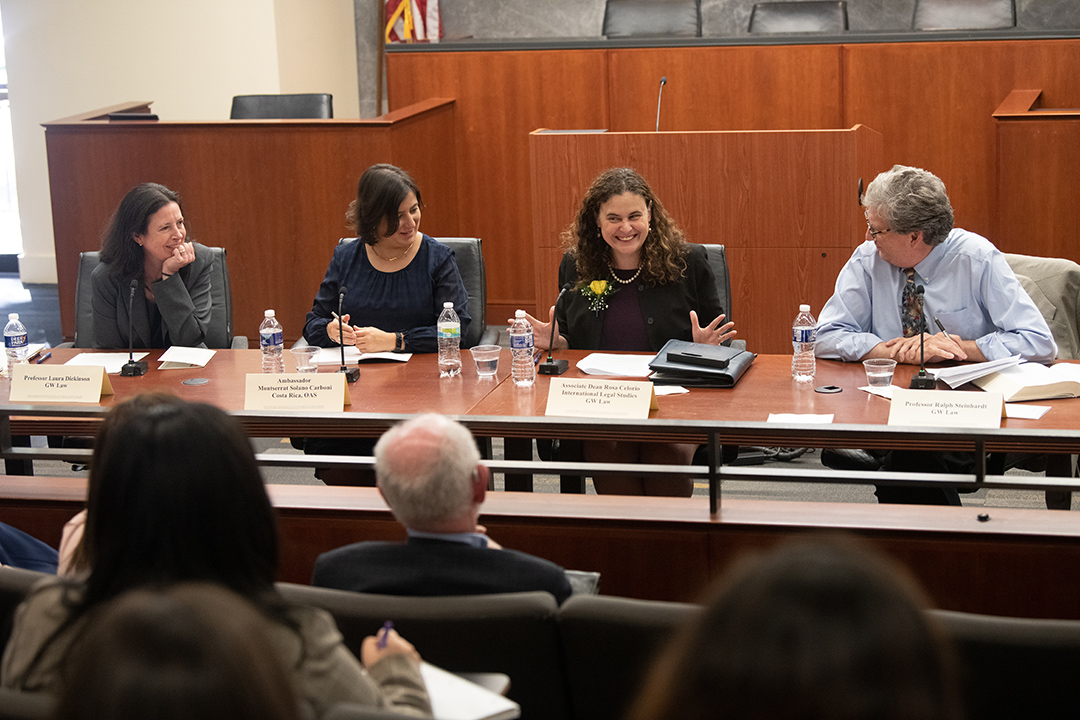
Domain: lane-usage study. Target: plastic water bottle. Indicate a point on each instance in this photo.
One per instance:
(449, 332)
(271, 342)
(803, 339)
(523, 370)
(15, 345)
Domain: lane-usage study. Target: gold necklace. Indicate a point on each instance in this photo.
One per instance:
(619, 279)
(398, 257)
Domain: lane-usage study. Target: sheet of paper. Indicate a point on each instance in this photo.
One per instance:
(453, 698)
(669, 389)
(1024, 411)
(610, 365)
(954, 377)
(332, 356)
(185, 358)
(112, 362)
(806, 418)
(882, 391)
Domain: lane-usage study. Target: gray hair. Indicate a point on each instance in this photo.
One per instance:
(426, 487)
(909, 200)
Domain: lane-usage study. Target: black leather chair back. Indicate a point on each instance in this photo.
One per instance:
(791, 17)
(652, 18)
(963, 14)
(718, 262)
(220, 333)
(282, 107)
(514, 633)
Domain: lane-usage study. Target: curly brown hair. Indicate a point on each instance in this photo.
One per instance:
(663, 256)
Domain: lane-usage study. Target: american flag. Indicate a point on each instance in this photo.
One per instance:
(408, 20)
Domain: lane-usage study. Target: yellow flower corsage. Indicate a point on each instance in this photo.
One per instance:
(597, 292)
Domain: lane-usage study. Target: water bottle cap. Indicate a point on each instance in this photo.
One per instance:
(268, 313)
(804, 308)
(448, 304)
(12, 317)
(519, 314)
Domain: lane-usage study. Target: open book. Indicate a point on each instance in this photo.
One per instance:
(1032, 381)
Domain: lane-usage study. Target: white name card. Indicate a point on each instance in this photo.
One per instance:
(585, 397)
(324, 392)
(946, 408)
(59, 383)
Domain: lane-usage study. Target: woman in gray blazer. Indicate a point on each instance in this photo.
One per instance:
(145, 251)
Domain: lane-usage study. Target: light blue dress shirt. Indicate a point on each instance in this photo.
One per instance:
(969, 288)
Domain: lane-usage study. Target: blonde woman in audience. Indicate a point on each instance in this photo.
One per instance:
(175, 496)
(811, 631)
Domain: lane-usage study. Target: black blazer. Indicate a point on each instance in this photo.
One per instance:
(424, 566)
(665, 309)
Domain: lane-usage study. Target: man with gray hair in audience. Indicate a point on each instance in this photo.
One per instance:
(429, 472)
(919, 280)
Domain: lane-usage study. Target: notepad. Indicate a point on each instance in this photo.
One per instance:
(454, 698)
(184, 358)
(332, 356)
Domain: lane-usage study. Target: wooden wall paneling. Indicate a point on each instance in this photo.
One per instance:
(500, 98)
(273, 193)
(933, 103)
(788, 87)
(767, 192)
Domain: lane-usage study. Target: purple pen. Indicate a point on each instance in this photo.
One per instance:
(386, 628)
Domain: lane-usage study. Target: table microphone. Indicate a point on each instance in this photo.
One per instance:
(351, 374)
(663, 82)
(922, 381)
(132, 368)
(552, 366)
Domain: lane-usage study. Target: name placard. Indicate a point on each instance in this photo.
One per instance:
(586, 397)
(325, 392)
(946, 408)
(59, 383)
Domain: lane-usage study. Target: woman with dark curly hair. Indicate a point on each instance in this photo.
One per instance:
(637, 283)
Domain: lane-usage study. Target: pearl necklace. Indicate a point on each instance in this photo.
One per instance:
(618, 279)
(397, 257)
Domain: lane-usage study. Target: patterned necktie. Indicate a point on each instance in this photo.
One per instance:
(911, 306)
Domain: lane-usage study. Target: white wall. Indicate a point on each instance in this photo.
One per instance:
(190, 57)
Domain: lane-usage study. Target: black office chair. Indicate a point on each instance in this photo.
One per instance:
(652, 18)
(311, 106)
(793, 17)
(963, 14)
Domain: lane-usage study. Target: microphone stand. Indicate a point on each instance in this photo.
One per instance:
(922, 381)
(552, 366)
(351, 374)
(132, 368)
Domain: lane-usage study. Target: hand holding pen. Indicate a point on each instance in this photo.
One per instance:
(386, 642)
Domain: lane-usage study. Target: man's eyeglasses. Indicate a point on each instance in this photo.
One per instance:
(874, 233)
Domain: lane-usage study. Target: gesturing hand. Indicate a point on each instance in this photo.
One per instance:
(714, 333)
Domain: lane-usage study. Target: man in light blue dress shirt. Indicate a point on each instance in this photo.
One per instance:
(971, 297)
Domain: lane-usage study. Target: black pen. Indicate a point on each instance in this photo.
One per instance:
(940, 326)
(44, 357)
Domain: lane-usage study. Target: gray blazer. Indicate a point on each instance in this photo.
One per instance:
(183, 300)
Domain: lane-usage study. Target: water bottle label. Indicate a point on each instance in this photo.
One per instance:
(269, 339)
(14, 342)
(521, 341)
(803, 335)
(449, 330)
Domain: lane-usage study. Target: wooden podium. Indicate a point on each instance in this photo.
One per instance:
(272, 192)
(1037, 176)
(784, 203)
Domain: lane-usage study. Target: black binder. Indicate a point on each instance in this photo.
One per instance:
(699, 365)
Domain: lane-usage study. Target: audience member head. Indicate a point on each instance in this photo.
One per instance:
(428, 470)
(119, 246)
(908, 200)
(194, 650)
(661, 255)
(812, 630)
(379, 195)
(175, 495)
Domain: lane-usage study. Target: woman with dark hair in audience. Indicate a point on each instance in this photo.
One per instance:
(175, 496)
(637, 283)
(194, 650)
(811, 631)
(146, 242)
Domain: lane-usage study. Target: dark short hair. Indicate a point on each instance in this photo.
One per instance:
(379, 194)
(194, 650)
(175, 495)
(812, 630)
(132, 217)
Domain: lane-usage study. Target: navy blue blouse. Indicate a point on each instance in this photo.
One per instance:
(407, 301)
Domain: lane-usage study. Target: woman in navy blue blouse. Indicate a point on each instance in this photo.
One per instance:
(397, 278)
